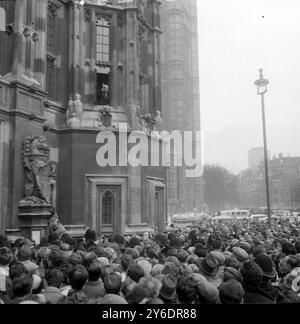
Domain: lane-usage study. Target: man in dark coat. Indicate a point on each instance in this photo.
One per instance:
(252, 279)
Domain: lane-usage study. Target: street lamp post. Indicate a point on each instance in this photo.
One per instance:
(261, 85)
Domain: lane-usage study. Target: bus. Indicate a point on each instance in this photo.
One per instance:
(236, 213)
(189, 219)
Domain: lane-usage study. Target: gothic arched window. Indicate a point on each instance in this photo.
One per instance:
(51, 52)
(102, 41)
(107, 208)
(103, 67)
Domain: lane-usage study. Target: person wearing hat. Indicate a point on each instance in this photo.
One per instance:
(208, 293)
(231, 292)
(252, 276)
(112, 299)
(167, 291)
(182, 255)
(171, 269)
(24, 256)
(161, 244)
(240, 254)
(246, 246)
(209, 265)
(157, 269)
(231, 273)
(266, 264)
(187, 290)
(90, 239)
(146, 265)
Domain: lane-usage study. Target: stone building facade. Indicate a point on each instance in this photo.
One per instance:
(181, 94)
(284, 174)
(70, 70)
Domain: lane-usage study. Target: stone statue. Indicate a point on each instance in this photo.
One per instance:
(37, 170)
(78, 106)
(147, 123)
(135, 113)
(99, 122)
(158, 117)
(53, 169)
(74, 107)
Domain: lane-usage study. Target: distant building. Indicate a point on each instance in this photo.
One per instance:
(181, 93)
(256, 157)
(284, 184)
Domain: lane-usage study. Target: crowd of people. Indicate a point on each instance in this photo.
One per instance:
(229, 262)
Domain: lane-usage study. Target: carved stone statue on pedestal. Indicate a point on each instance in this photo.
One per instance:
(78, 106)
(105, 117)
(148, 123)
(158, 121)
(74, 112)
(34, 209)
(37, 171)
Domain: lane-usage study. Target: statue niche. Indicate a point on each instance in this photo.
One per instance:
(38, 169)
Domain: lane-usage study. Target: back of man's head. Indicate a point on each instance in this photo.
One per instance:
(54, 278)
(24, 253)
(22, 285)
(252, 274)
(231, 292)
(78, 277)
(94, 270)
(113, 283)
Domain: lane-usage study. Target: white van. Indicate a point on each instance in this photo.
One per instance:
(259, 217)
(222, 218)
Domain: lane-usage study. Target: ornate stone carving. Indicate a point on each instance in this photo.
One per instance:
(37, 171)
(87, 15)
(52, 7)
(28, 31)
(78, 106)
(53, 170)
(121, 20)
(135, 114)
(158, 121)
(10, 28)
(35, 37)
(74, 112)
(104, 117)
(151, 122)
(107, 19)
(148, 123)
(142, 9)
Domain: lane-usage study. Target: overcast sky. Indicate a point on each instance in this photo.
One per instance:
(236, 38)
